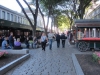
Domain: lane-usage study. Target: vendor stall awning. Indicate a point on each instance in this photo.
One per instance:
(87, 23)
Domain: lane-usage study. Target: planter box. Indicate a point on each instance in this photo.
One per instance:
(22, 51)
(77, 65)
(9, 66)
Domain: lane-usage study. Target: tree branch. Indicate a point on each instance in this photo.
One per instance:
(25, 13)
(29, 8)
(87, 4)
(42, 17)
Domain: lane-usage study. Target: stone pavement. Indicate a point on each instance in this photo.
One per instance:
(57, 61)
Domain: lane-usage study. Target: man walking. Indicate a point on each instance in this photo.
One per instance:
(63, 38)
(50, 37)
(58, 40)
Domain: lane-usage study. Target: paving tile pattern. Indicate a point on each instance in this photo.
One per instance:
(57, 61)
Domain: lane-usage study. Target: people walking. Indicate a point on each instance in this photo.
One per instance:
(43, 41)
(58, 40)
(50, 38)
(63, 38)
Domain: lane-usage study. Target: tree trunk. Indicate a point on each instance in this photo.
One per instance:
(46, 29)
(55, 23)
(25, 14)
(35, 24)
(52, 23)
(43, 22)
(35, 17)
(42, 18)
(33, 27)
(48, 21)
(81, 7)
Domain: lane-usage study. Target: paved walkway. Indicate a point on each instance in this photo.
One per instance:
(57, 61)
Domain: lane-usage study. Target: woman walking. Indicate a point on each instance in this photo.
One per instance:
(43, 41)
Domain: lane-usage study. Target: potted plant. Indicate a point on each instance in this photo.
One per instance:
(96, 57)
(3, 53)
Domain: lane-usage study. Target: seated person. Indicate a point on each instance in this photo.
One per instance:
(17, 44)
(5, 44)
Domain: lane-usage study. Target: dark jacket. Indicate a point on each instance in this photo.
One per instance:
(26, 41)
(63, 37)
(58, 37)
(11, 40)
(71, 36)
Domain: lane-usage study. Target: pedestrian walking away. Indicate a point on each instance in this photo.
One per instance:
(50, 38)
(63, 38)
(58, 40)
(43, 41)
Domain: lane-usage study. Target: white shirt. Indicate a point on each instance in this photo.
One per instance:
(50, 36)
(43, 38)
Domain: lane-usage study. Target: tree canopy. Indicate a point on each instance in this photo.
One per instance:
(66, 9)
(83, 4)
(63, 22)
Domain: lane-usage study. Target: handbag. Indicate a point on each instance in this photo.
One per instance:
(45, 41)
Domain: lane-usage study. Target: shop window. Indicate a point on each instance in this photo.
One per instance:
(3, 14)
(0, 13)
(18, 19)
(15, 18)
(11, 17)
(8, 16)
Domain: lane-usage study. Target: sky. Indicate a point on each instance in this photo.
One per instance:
(12, 4)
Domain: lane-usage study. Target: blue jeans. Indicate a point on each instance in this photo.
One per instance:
(6, 47)
(50, 43)
(11, 44)
(63, 43)
(34, 45)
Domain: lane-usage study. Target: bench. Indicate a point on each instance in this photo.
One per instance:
(15, 51)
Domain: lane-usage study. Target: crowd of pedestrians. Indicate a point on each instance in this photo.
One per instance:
(11, 42)
(50, 37)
